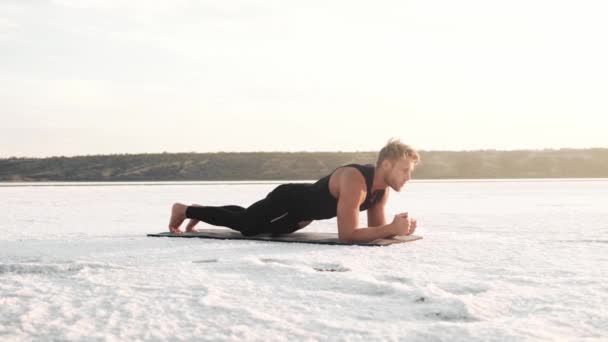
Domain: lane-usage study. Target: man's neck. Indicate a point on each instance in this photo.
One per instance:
(379, 183)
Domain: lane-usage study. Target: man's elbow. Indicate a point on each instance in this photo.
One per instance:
(346, 236)
(345, 239)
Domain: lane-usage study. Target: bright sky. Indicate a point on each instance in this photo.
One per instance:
(112, 76)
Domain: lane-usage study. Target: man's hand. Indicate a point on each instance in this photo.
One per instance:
(403, 224)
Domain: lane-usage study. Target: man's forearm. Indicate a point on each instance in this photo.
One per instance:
(369, 234)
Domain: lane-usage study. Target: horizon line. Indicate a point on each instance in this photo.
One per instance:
(293, 152)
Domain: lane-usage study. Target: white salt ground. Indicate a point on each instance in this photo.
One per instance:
(500, 261)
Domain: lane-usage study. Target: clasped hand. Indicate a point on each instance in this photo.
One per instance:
(404, 225)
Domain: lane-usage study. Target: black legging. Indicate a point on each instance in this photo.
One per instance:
(269, 215)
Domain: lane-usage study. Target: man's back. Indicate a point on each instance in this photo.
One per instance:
(319, 200)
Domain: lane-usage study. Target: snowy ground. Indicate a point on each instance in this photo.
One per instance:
(500, 260)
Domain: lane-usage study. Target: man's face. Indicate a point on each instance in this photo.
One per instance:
(400, 173)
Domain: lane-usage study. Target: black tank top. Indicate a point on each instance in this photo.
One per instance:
(315, 201)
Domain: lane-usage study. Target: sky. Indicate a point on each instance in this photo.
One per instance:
(82, 77)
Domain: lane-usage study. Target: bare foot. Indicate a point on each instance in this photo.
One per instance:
(192, 222)
(178, 215)
(190, 226)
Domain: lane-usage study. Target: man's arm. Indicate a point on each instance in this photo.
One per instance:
(375, 214)
(352, 193)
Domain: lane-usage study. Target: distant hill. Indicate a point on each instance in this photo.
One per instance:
(563, 163)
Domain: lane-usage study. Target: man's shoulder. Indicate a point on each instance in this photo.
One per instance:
(352, 178)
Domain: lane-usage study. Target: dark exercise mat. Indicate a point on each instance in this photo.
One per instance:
(301, 237)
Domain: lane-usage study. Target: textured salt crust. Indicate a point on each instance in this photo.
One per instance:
(499, 261)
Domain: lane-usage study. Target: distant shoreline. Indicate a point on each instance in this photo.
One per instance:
(296, 166)
(205, 183)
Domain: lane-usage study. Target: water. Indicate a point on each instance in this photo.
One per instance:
(500, 260)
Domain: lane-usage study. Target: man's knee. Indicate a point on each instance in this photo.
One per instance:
(249, 233)
(303, 224)
(251, 226)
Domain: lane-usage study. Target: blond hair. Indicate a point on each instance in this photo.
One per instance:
(395, 149)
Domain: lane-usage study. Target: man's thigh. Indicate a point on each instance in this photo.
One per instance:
(264, 215)
(278, 212)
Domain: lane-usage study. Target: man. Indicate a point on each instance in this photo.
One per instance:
(343, 193)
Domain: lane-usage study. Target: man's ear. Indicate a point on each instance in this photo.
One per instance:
(386, 165)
